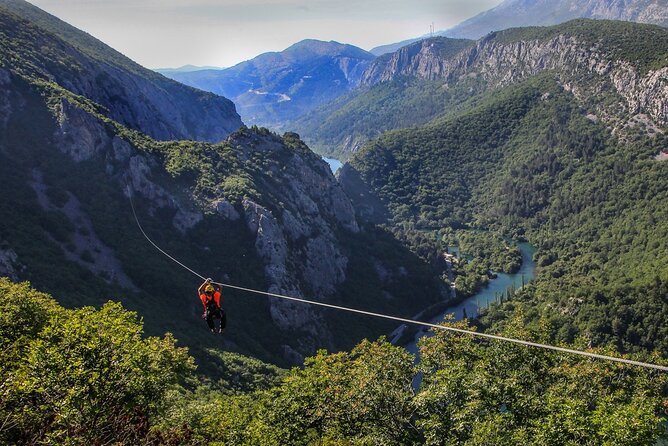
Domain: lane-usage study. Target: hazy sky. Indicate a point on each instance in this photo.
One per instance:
(171, 33)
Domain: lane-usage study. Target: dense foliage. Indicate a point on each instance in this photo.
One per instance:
(468, 393)
(88, 376)
(79, 376)
(526, 162)
(497, 253)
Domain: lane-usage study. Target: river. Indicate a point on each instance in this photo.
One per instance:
(488, 294)
(334, 164)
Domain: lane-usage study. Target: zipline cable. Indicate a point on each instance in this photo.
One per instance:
(403, 320)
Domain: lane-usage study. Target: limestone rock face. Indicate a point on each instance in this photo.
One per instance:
(584, 67)
(272, 247)
(226, 210)
(8, 264)
(421, 59)
(80, 135)
(297, 240)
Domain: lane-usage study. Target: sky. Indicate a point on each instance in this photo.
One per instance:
(172, 33)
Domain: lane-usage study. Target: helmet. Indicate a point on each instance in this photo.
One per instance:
(208, 288)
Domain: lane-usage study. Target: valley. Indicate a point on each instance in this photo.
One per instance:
(510, 182)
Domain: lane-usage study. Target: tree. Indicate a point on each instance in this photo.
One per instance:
(84, 376)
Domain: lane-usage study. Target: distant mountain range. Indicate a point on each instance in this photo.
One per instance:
(186, 69)
(434, 77)
(517, 13)
(274, 88)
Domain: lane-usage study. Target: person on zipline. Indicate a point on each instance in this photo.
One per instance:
(209, 293)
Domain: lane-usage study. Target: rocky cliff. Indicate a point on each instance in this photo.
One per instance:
(427, 59)
(590, 58)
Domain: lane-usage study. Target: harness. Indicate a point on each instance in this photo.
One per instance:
(212, 308)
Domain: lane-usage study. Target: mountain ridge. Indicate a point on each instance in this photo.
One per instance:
(275, 87)
(96, 71)
(585, 53)
(522, 13)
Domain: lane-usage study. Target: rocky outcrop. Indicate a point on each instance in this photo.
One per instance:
(499, 61)
(424, 59)
(8, 264)
(297, 241)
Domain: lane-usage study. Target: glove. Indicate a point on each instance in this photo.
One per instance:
(209, 280)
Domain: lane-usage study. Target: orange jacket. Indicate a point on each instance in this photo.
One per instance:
(216, 297)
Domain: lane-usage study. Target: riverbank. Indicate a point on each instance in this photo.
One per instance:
(470, 306)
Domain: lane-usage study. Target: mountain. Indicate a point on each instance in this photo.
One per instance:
(430, 81)
(276, 87)
(132, 95)
(517, 13)
(392, 47)
(520, 13)
(562, 145)
(256, 209)
(186, 69)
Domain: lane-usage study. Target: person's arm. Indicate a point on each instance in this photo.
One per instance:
(200, 290)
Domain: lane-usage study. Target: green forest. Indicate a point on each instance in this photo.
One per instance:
(89, 376)
(527, 163)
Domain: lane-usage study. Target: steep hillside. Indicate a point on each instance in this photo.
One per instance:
(130, 94)
(534, 160)
(274, 88)
(618, 68)
(258, 209)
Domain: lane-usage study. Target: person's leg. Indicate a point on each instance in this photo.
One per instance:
(223, 320)
(209, 320)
